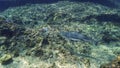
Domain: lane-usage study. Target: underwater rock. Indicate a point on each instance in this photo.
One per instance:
(110, 37)
(113, 18)
(113, 64)
(39, 52)
(2, 18)
(2, 40)
(108, 3)
(9, 30)
(44, 42)
(6, 59)
(108, 17)
(57, 18)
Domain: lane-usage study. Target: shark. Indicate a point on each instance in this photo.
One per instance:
(76, 36)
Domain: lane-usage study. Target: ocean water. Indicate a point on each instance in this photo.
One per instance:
(12, 3)
(59, 34)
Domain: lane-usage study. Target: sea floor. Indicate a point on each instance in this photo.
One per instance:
(60, 35)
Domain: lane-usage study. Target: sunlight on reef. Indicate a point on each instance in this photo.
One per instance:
(59, 35)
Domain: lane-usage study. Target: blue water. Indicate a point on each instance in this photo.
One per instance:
(4, 4)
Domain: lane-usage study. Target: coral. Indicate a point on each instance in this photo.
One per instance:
(10, 29)
(2, 40)
(2, 19)
(6, 59)
(113, 64)
(53, 32)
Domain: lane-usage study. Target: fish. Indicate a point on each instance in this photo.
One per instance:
(76, 36)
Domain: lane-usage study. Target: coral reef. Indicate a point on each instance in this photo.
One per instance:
(51, 34)
(5, 59)
(113, 64)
